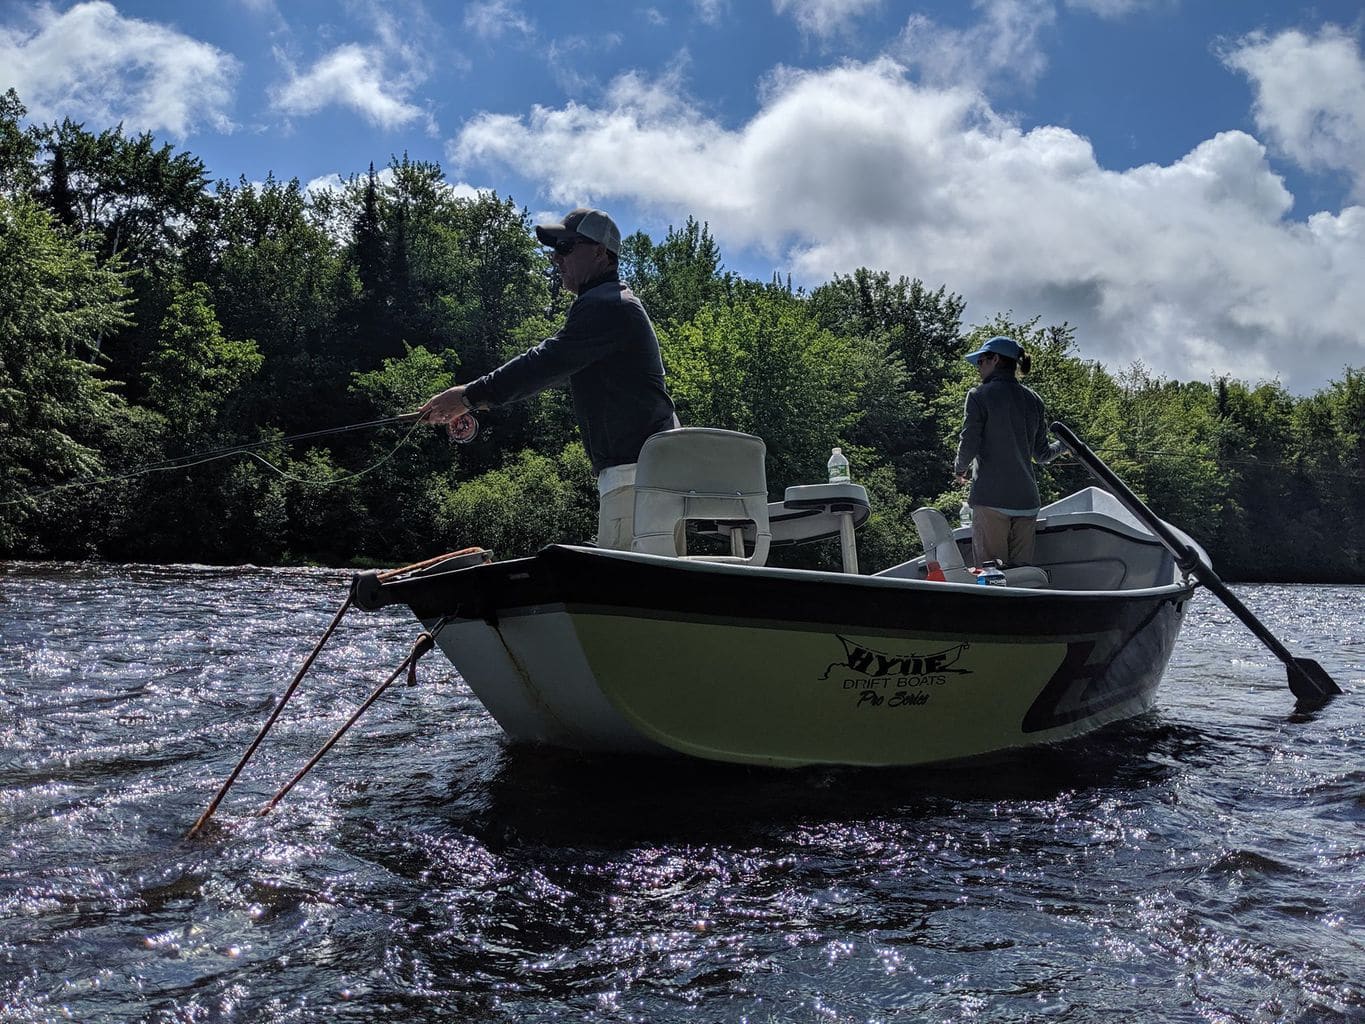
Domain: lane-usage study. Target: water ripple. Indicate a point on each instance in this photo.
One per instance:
(1202, 863)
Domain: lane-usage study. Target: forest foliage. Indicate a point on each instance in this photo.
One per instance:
(152, 320)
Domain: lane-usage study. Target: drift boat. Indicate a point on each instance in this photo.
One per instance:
(717, 655)
(723, 657)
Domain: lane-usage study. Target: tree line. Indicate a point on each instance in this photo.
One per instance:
(151, 320)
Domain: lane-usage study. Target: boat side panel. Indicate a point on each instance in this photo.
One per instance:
(744, 665)
(669, 588)
(774, 696)
(1099, 682)
(530, 674)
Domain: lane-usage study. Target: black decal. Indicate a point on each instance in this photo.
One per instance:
(878, 664)
(1097, 675)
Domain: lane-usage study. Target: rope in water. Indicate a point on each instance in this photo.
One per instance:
(424, 643)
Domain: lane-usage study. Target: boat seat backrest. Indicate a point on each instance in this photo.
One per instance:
(939, 543)
(700, 473)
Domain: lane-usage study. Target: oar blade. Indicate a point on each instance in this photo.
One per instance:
(1311, 684)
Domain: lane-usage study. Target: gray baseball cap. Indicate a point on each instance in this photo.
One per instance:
(583, 221)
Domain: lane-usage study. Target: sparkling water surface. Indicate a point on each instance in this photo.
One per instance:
(1205, 862)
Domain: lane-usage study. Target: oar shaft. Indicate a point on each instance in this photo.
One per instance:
(1310, 684)
(1185, 556)
(1252, 623)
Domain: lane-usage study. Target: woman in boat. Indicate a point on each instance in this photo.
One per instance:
(608, 353)
(1004, 432)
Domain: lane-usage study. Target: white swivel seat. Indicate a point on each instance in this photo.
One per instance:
(702, 474)
(940, 544)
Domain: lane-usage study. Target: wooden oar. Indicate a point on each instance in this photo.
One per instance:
(1307, 679)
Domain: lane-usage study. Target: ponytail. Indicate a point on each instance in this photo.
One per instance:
(1010, 366)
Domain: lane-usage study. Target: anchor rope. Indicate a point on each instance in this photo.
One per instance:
(425, 642)
(274, 714)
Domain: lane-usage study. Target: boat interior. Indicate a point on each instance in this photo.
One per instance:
(1085, 541)
(699, 483)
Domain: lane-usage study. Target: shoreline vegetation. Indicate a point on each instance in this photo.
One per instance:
(148, 316)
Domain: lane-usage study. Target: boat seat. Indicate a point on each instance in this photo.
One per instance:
(940, 543)
(702, 474)
(814, 512)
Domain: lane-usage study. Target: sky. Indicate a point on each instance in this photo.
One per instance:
(1182, 181)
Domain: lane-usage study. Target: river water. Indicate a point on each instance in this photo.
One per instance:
(1205, 862)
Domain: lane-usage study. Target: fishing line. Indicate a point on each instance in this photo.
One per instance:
(213, 454)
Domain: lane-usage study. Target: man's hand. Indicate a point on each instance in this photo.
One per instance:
(447, 407)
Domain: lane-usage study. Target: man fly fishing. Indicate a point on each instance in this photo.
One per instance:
(607, 352)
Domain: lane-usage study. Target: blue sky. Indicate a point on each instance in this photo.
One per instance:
(1181, 180)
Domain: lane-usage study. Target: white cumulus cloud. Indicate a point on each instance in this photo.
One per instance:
(1190, 267)
(1118, 8)
(91, 63)
(493, 19)
(1310, 97)
(375, 79)
(1005, 44)
(710, 12)
(825, 17)
(352, 76)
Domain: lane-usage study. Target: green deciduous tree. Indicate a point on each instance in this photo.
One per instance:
(516, 510)
(275, 274)
(761, 365)
(17, 148)
(55, 407)
(129, 197)
(918, 329)
(677, 277)
(195, 375)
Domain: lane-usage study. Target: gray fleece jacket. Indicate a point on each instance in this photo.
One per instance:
(1004, 429)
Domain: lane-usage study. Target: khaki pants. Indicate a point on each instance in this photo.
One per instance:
(616, 518)
(1008, 539)
(616, 510)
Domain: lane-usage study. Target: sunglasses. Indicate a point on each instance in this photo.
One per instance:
(567, 245)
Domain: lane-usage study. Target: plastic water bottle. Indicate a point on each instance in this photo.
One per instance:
(838, 467)
(964, 514)
(991, 576)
